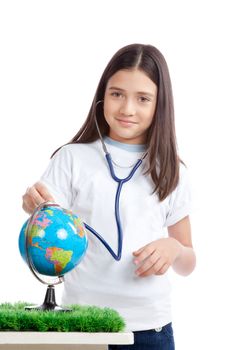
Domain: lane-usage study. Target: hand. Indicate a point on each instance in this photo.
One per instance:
(34, 196)
(156, 257)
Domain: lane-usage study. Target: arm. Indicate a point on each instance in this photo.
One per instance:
(176, 251)
(54, 184)
(185, 262)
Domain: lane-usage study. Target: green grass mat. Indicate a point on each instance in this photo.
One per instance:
(13, 317)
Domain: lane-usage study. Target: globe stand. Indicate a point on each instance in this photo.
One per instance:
(49, 303)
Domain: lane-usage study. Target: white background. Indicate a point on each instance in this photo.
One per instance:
(52, 56)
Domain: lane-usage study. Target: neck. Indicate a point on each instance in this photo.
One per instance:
(140, 140)
(130, 147)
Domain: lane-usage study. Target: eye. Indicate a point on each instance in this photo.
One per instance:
(116, 94)
(144, 99)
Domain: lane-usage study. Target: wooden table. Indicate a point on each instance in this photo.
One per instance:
(61, 340)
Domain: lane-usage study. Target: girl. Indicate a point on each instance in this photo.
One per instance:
(132, 116)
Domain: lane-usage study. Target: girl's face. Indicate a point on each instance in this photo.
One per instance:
(129, 105)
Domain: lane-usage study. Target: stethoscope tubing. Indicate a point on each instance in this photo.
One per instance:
(117, 208)
(117, 198)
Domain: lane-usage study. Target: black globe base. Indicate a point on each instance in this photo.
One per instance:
(49, 303)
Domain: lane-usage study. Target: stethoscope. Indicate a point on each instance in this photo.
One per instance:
(120, 182)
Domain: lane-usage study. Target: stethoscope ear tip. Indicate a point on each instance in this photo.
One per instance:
(99, 102)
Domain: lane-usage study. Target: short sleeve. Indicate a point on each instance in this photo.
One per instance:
(57, 177)
(180, 199)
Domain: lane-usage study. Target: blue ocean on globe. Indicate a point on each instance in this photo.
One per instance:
(57, 241)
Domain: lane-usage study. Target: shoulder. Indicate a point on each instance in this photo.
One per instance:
(78, 155)
(179, 201)
(183, 184)
(183, 187)
(74, 149)
(183, 174)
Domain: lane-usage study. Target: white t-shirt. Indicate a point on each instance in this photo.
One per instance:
(78, 177)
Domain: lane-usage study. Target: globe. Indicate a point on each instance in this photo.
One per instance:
(56, 240)
(52, 242)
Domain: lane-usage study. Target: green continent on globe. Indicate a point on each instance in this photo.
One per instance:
(40, 223)
(59, 257)
(35, 232)
(77, 222)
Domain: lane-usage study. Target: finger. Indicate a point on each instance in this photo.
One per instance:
(137, 252)
(145, 252)
(163, 270)
(28, 204)
(158, 269)
(26, 208)
(149, 272)
(159, 266)
(35, 196)
(43, 191)
(149, 263)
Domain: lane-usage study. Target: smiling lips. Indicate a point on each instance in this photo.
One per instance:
(126, 122)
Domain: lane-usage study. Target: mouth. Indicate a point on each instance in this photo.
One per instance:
(126, 122)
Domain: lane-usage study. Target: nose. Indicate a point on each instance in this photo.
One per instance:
(128, 108)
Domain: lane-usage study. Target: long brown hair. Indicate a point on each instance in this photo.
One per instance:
(161, 140)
